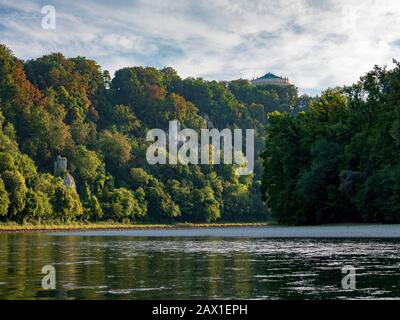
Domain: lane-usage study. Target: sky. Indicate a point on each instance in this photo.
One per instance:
(315, 43)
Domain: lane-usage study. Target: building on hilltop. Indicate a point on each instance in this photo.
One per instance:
(270, 78)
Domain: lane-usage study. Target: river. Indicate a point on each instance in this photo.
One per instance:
(211, 263)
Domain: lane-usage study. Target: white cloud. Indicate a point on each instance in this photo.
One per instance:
(316, 43)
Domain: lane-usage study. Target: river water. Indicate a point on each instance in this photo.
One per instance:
(226, 263)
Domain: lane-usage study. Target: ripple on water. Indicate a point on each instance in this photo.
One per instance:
(131, 290)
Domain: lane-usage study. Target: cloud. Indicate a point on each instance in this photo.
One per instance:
(316, 43)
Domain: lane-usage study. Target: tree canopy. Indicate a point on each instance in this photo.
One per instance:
(339, 160)
(54, 105)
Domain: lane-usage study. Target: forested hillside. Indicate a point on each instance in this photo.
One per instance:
(55, 105)
(340, 160)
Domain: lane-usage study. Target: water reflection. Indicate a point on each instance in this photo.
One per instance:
(120, 267)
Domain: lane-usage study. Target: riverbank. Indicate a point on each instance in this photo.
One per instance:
(79, 226)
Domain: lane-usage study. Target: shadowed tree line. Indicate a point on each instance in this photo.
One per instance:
(339, 160)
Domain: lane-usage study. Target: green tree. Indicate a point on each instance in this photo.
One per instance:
(66, 203)
(207, 208)
(15, 185)
(4, 199)
(96, 211)
(124, 206)
(87, 163)
(116, 148)
(37, 206)
(160, 202)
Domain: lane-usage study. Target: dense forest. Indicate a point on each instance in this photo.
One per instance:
(332, 158)
(57, 106)
(339, 160)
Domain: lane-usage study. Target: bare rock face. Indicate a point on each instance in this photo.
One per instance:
(69, 181)
(60, 170)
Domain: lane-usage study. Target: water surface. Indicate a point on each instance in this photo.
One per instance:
(240, 263)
